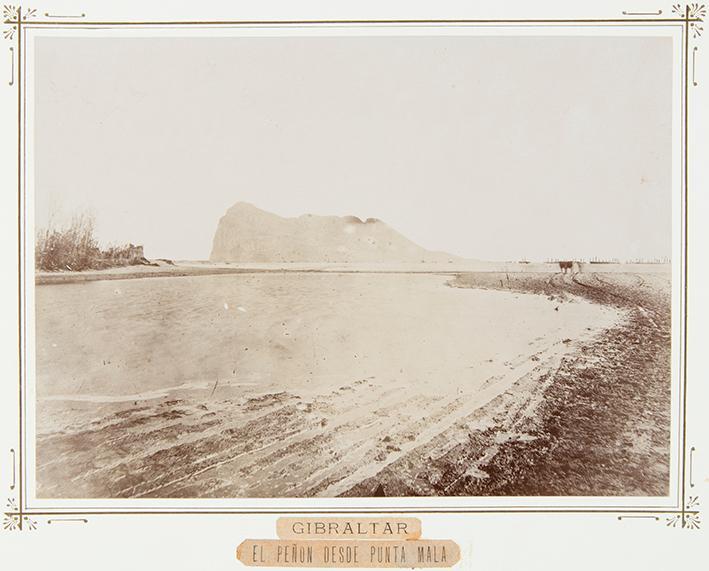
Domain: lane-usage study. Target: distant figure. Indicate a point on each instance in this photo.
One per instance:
(566, 265)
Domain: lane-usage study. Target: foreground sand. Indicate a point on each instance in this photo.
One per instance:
(301, 384)
(598, 424)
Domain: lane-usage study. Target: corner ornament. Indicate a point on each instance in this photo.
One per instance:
(14, 520)
(687, 514)
(688, 519)
(14, 15)
(694, 14)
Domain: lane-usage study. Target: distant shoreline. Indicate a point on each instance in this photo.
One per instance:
(196, 268)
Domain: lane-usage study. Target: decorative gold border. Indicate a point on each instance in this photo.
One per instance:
(18, 517)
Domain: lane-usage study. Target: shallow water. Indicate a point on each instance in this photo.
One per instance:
(296, 331)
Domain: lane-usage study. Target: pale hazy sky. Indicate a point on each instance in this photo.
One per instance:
(485, 147)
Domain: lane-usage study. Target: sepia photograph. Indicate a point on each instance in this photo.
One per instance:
(382, 264)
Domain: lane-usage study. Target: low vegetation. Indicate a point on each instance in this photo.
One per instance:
(75, 248)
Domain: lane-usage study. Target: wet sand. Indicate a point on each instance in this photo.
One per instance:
(597, 423)
(298, 384)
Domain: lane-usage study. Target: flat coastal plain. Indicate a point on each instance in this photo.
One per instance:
(208, 381)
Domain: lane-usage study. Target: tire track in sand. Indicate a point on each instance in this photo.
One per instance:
(549, 358)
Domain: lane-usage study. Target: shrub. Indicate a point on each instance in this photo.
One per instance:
(74, 248)
(71, 248)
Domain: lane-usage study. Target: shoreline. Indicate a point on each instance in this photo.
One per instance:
(557, 433)
(196, 269)
(544, 417)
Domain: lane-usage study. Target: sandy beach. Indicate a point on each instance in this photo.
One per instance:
(270, 384)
